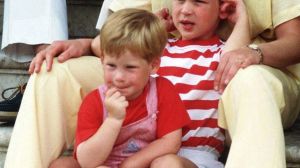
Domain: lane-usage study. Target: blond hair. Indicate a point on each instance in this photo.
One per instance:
(136, 30)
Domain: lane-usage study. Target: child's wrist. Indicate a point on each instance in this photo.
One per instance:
(115, 121)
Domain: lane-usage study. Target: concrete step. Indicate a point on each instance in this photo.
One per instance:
(5, 134)
(292, 137)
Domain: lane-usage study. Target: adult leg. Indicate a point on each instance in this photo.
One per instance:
(253, 107)
(47, 118)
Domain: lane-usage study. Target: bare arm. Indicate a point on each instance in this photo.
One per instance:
(240, 35)
(94, 151)
(279, 53)
(168, 144)
(285, 50)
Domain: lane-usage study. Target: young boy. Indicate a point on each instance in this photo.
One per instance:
(190, 62)
(134, 118)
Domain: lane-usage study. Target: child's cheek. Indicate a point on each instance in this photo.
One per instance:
(108, 78)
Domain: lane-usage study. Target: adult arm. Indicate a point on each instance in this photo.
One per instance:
(279, 53)
(168, 144)
(285, 50)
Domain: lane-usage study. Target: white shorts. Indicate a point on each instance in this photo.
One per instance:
(202, 159)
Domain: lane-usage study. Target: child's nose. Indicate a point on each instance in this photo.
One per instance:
(119, 75)
(186, 8)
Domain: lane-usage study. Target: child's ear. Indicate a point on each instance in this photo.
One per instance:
(101, 56)
(226, 8)
(155, 65)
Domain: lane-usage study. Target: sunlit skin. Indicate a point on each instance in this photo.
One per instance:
(188, 18)
(127, 74)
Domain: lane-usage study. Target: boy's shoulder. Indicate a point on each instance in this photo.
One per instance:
(93, 95)
(162, 81)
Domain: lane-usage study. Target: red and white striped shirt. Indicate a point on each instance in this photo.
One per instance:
(190, 65)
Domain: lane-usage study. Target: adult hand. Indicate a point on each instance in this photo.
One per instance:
(64, 50)
(231, 62)
(166, 18)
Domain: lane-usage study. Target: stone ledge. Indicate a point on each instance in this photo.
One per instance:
(292, 140)
(8, 63)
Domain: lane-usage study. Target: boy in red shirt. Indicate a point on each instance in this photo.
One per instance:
(133, 118)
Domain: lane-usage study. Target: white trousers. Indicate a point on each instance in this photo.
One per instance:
(31, 22)
(253, 107)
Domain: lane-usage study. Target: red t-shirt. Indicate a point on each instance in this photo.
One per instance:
(171, 111)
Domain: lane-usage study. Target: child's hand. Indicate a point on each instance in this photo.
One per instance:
(166, 18)
(235, 10)
(115, 104)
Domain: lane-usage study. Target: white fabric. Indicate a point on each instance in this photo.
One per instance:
(201, 158)
(31, 22)
(104, 13)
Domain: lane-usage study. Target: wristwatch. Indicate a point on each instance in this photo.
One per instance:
(258, 50)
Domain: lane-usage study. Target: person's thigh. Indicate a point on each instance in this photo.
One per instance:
(262, 88)
(253, 107)
(47, 117)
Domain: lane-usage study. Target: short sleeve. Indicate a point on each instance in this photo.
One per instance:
(172, 114)
(285, 10)
(90, 117)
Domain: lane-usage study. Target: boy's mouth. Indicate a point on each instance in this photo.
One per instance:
(187, 25)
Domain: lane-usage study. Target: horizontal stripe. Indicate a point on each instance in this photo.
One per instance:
(188, 62)
(195, 124)
(204, 132)
(184, 49)
(202, 85)
(200, 95)
(191, 79)
(199, 114)
(200, 104)
(204, 141)
(180, 71)
(193, 54)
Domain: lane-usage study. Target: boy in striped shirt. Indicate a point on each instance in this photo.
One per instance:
(190, 62)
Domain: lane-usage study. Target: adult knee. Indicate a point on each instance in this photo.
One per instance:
(256, 76)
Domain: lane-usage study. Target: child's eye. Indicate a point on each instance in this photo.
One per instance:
(200, 1)
(131, 67)
(110, 65)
